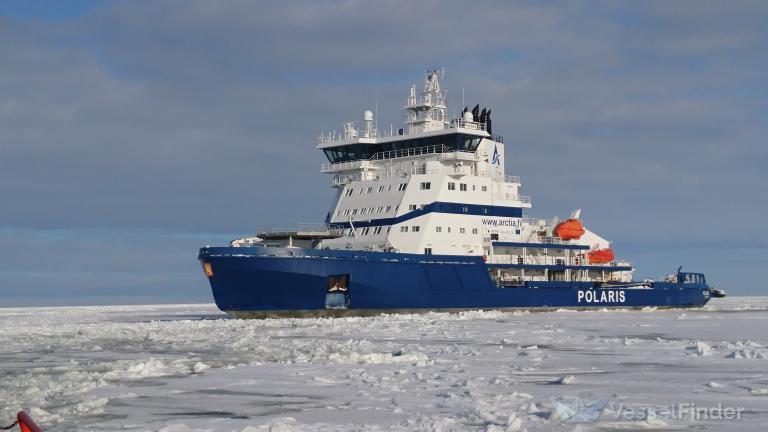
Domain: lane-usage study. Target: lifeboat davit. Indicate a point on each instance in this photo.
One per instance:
(600, 256)
(571, 229)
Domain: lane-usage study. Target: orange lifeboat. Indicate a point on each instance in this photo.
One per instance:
(571, 229)
(600, 256)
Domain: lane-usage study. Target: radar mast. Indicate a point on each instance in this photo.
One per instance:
(427, 111)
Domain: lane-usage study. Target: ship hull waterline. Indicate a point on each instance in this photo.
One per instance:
(251, 283)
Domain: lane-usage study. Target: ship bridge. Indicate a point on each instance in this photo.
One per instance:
(427, 125)
(452, 139)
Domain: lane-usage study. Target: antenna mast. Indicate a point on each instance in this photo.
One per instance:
(427, 111)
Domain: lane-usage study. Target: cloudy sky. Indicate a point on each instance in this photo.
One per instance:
(134, 132)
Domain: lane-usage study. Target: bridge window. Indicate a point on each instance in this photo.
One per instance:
(349, 191)
(402, 187)
(412, 207)
(348, 153)
(403, 229)
(467, 142)
(474, 230)
(484, 188)
(388, 209)
(462, 231)
(415, 228)
(426, 185)
(351, 152)
(438, 229)
(451, 186)
(463, 187)
(370, 189)
(381, 188)
(377, 230)
(427, 251)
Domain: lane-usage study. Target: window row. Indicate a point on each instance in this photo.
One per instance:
(463, 187)
(367, 230)
(369, 210)
(414, 228)
(461, 230)
(403, 228)
(412, 207)
(358, 151)
(401, 187)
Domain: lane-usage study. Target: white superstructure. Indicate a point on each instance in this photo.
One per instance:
(438, 186)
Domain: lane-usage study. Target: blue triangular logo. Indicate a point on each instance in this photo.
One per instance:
(496, 160)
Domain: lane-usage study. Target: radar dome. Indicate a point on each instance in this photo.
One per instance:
(368, 115)
(468, 117)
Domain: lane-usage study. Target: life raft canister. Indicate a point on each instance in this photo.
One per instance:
(600, 256)
(571, 229)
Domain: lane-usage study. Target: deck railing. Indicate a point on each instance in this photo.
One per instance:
(345, 166)
(333, 136)
(416, 151)
(300, 227)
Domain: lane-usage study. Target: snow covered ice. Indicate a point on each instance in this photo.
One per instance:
(180, 368)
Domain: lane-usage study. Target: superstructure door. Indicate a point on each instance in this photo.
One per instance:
(337, 293)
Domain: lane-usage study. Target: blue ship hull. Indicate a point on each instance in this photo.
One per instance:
(266, 282)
